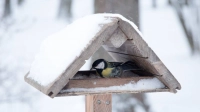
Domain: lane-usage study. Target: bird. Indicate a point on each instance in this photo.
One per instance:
(112, 69)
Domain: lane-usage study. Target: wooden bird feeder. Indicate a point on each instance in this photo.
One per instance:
(123, 42)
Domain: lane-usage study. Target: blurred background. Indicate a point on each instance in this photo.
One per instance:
(170, 27)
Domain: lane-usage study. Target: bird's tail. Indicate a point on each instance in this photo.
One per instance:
(129, 65)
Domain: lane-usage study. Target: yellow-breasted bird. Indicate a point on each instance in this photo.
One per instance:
(112, 69)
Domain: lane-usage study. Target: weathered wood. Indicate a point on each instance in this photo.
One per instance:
(135, 35)
(89, 106)
(102, 82)
(110, 92)
(86, 86)
(127, 48)
(118, 38)
(99, 103)
(166, 78)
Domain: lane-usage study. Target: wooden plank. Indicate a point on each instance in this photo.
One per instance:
(103, 103)
(87, 86)
(110, 92)
(167, 78)
(89, 103)
(102, 82)
(99, 103)
(134, 34)
(118, 38)
(127, 48)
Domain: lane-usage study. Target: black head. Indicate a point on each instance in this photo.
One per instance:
(99, 64)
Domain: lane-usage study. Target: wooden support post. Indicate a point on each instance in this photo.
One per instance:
(98, 103)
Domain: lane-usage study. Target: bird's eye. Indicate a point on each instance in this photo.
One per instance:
(100, 66)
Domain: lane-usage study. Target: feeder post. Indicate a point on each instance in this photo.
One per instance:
(98, 103)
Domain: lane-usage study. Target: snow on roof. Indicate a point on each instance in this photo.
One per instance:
(143, 84)
(58, 51)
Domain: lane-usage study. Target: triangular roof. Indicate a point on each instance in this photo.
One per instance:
(116, 35)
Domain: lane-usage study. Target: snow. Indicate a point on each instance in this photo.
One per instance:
(143, 84)
(164, 34)
(21, 40)
(59, 50)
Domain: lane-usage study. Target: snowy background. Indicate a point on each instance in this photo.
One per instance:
(30, 23)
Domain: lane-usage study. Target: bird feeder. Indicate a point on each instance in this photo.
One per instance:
(123, 42)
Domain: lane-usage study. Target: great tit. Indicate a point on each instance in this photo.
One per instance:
(112, 69)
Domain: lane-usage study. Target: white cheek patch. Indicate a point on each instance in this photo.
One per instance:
(100, 65)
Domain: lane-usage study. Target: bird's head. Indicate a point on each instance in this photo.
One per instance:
(99, 64)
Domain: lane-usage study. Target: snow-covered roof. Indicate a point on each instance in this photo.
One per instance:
(59, 50)
(64, 53)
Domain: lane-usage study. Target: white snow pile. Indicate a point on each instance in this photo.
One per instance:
(58, 51)
(143, 84)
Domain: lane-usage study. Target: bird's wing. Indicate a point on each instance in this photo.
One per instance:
(86, 72)
(129, 65)
(115, 64)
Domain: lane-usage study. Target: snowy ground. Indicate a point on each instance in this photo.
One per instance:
(161, 29)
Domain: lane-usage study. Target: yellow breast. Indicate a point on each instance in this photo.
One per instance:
(106, 72)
